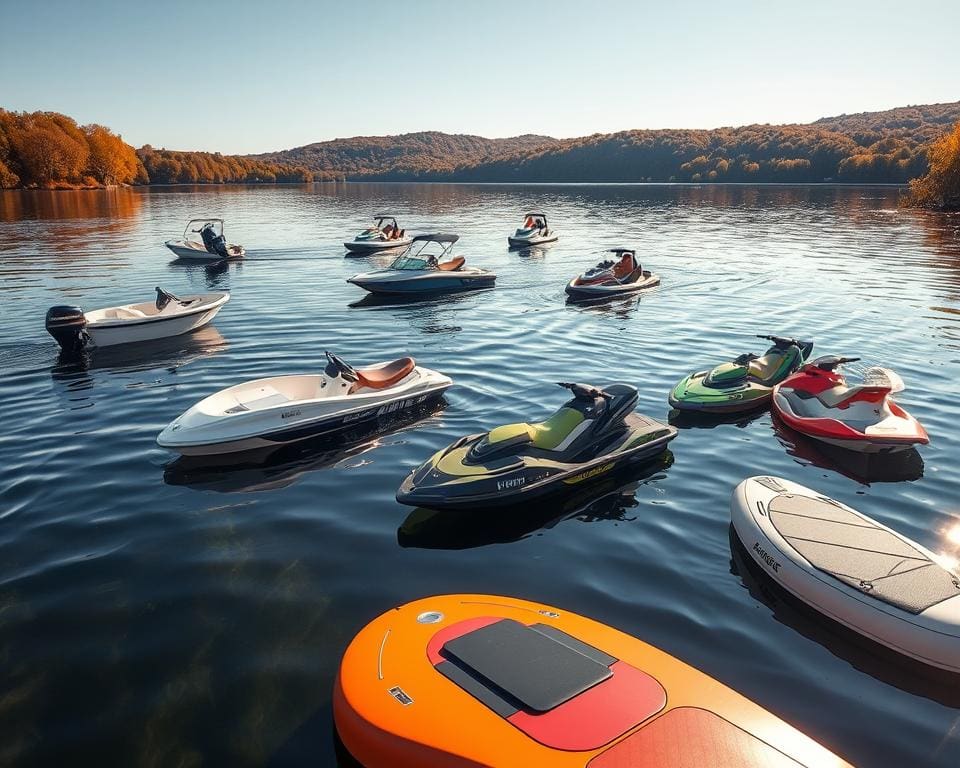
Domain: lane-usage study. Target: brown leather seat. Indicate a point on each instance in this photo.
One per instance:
(625, 267)
(384, 376)
(454, 264)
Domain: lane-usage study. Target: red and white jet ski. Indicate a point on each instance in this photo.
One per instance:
(817, 401)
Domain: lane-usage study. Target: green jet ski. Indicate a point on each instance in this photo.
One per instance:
(593, 433)
(744, 383)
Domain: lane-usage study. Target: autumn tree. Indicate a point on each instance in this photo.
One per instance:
(940, 188)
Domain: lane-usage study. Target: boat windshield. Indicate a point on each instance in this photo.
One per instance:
(414, 262)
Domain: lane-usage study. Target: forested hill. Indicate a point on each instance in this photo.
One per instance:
(888, 146)
(409, 155)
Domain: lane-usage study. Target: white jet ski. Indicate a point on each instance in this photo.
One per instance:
(285, 409)
(168, 315)
(612, 277)
(212, 245)
(851, 568)
(384, 235)
(415, 272)
(534, 231)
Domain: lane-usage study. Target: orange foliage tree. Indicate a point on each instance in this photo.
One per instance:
(940, 188)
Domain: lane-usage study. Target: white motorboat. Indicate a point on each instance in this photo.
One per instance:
(168, 315)
(612, 277)
(384, 235)
(212, 245)
(851, 568)
(285, 409)
(415, 272)
(534, 231)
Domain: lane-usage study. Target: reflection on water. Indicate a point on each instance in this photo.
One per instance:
(156, 613)
(612, 500)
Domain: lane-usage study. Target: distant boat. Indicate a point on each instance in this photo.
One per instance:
(212, 245)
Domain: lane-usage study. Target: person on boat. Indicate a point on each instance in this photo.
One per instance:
(626, 266)
(213, 242)
(387, 232)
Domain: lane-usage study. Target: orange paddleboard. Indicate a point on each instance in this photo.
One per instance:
(478, 680)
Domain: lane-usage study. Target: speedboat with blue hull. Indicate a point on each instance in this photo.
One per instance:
(592, 434)
(286, 409)
(385, 234)
(419, 272)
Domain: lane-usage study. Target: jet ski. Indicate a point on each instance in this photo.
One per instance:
(534, 231)
(743, 383)
(463, 681)
(593, 433)
(285, 409)
(415, 272)
(212, 246)
(385, 234)
(612, 277)
(851, 568)
(817, 402)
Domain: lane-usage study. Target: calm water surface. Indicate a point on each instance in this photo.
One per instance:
(155, 614)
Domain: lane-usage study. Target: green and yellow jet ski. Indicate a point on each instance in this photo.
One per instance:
(593, 433)
(744, 383)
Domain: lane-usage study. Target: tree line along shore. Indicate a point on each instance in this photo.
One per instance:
(920, 145)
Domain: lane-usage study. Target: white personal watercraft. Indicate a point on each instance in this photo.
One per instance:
(167, 315)
(284, 409)
(415, 272)
(534, 231)
(384, 235)
(612, 277)
(212, 245)
(851, 568)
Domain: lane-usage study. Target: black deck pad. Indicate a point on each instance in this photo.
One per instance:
(531, 667)
(860, 553)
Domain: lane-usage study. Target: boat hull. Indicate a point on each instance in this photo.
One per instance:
(111, 334)
(370, 246)
(292, 421)
(583, 292)
(526, 242)
(447, 283)
(183, 249)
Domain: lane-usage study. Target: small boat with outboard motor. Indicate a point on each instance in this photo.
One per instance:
(417, 272)
(464, 681)
(851, 568)
(385, 234)
(534, 231)
(285, 409)
(593, 433)
(212, 245)
(167, 315)
(745, 382)
(612, 277)
(818, 402)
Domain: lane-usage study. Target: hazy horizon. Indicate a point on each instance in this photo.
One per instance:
(248, 78)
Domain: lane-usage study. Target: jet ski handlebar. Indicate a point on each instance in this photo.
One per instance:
(346, 370)
(780, 341)
(830, 362)
(584, 391)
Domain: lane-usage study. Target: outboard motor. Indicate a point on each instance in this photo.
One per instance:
(67, 325)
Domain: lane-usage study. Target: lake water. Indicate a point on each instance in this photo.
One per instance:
(153, 614)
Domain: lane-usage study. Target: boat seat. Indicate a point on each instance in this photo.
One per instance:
(546, 435)
(384, 376)
(454, 264)
(125, 313)
(765, 368)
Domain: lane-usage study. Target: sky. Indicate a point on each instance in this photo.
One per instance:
(245, 77)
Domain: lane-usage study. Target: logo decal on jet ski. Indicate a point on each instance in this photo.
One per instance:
(399, 695)
(771, 563)
(589, 473)
(289, 414)
(516, 482)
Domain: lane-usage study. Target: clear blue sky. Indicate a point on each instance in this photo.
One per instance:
(273, 74)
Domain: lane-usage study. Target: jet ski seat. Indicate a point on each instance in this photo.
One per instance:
(766, 368)
(384, 376)
(453, 265)
(547, 435)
